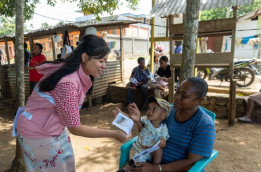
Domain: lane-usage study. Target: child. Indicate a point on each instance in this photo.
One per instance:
(151, 128)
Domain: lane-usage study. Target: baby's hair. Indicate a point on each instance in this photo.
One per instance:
(200, 85)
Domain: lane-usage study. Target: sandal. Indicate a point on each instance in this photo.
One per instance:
(245, 120)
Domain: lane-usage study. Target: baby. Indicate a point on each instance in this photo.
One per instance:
(151, 129)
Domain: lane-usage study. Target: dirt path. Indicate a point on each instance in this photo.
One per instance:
(239, 146)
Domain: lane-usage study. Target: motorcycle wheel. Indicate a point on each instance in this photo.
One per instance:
(202, 73)
(244, 76)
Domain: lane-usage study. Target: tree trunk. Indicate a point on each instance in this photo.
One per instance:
(18, 164)
(190, 39)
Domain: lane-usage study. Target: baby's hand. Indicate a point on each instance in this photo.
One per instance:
(134, 112)
(162, 143)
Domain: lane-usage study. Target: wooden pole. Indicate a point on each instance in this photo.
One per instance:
(122, 53)
(7, 52)
(152, 41)
(54, 49)
(259, 48)
(172, 79)
(172, 86)
(232, 91)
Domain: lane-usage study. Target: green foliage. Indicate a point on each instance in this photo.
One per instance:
(45, 25)
(220, 13)
(98, 7)
(213, 14)
(248, 8)
(7, 26)
(59, 23)
(7, 7)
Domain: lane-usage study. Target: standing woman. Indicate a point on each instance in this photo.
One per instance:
(37, 59)
(54, 106)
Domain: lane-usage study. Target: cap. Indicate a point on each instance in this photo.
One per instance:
(161, 102)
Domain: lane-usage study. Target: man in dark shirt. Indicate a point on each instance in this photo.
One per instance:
(163, 75)
(164, 72)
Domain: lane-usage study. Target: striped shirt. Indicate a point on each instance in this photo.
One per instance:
(196, 135)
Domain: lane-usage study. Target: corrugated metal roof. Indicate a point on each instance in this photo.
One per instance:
(170, 7)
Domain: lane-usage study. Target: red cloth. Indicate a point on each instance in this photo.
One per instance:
(33, 74)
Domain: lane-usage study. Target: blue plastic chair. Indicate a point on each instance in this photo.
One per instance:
(197, 167)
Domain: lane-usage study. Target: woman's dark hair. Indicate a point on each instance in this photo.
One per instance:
(200, 84)
(164, 58)
(40, 46)
(140, 59)
(95, 47)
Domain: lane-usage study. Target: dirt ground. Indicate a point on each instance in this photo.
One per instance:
(239, 146)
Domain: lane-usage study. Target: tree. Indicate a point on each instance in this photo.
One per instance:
(190, 39)
(18, 164)
(220, 13)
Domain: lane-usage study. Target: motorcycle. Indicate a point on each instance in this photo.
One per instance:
(244, 73)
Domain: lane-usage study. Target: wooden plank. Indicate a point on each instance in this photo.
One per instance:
(206, 26)
(122, 53)
(7, 52)
(171, 52)
(211, 34)
(205, 59)
(232, 103)
(172, 86)
(53, 48)
(160, 38)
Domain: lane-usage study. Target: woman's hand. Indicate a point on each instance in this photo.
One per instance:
(134, 112)
(146, 167)
(117, 110)
(121, 136)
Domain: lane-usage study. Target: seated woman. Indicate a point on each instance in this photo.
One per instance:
(192, 132)
(163, 75)
(250, 106)
(139, 78)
